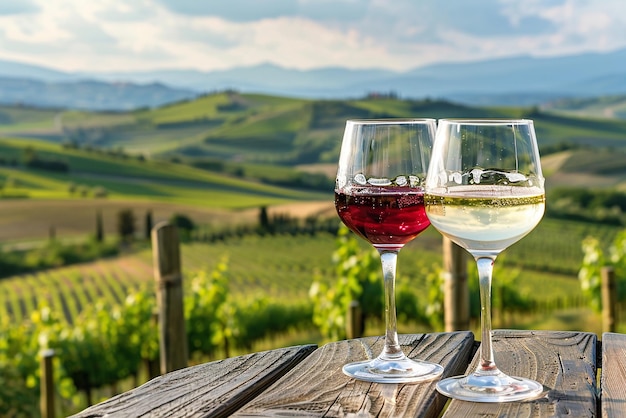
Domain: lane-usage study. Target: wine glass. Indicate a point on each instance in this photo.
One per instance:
(485, 191)
(379, 195)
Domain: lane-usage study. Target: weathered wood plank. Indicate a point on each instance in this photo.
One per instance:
(613, 375)
(564, 362)
(215, 389)
(318, 387)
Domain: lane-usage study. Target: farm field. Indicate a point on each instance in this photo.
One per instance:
(257, 135)
(222, 157)
(278, 267)
(284, 267)
(26, 220)
(602, 107)
(219, 160)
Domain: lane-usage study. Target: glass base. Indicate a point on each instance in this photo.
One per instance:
(497, 387)
(400, 370)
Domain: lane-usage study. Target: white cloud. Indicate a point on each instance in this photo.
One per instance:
(117, 35)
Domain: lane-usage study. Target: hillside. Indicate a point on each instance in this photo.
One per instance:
(274, 140)
(238, 126)
(123, 175)
(601, 107)
(67, 192)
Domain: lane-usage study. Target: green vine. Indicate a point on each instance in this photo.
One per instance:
(590, 273)
(357, 273)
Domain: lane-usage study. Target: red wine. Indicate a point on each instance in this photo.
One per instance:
(388, 219)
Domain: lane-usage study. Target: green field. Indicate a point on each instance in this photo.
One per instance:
(284, 267)
(600, 107)
(256, 151)
(252, 138)
(221, 158)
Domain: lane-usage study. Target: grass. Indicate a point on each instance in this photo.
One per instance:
(131, 178)
(597, 133)
(32, 119)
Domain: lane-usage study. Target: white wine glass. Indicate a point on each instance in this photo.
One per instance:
(379, 195)
(485, 191)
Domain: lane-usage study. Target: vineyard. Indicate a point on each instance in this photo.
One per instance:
(243, 291)
(218, 160)
(279, 266)
(99, 316)
(69, 290)
(256, 265)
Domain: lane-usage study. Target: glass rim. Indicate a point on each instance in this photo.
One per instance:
(486, 121)
(389, 121)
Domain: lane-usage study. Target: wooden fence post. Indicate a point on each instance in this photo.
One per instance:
(354, 320)
(167, 273)
(456, 290)
(46, 391)
(609, 298)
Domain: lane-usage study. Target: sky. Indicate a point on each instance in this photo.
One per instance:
(208, 35)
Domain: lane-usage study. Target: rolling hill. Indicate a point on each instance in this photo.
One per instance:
(122, 175)
(602, 107)
(67, 194)
(258, 128)
(261, 147)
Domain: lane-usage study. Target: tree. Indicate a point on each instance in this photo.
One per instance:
(99, 227)
(184, 224)
(126, 224)
(264, 220)
(148, 224)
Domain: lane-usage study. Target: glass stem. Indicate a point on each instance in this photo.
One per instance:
(392, 350)
(487, 364)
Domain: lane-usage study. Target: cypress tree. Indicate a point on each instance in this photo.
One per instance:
(148, 225)
(99, 227)
(264, 220)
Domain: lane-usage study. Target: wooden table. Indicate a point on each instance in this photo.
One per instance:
(307, 381)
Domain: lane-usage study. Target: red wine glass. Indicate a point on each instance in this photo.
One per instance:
(379, 195)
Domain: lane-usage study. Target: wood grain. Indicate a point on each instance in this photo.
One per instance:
(317, 386)
(564, 362)
(613, 377)
(215, 389)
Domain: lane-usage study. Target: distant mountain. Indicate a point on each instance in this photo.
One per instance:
(11, 69)
(529, 79)
(520, 80)
(88, 94)
(265, 78)
(517, 80)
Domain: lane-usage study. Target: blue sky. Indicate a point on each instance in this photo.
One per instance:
(135, 35)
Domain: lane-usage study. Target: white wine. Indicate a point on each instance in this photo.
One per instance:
(485, 219)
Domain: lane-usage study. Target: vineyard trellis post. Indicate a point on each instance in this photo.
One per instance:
(354, 321)
(169, 281)
(456, 291)
(46, 396)
(609, 299)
